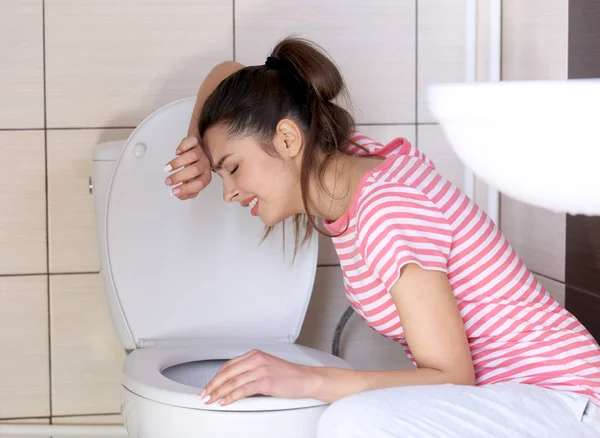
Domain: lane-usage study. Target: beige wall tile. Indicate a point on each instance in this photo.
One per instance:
(360, 345)
(434, 144)
(386, 133)
(555, 288)
(373, 43)
(25, 421)
(24, 365)
(535, 39)
(537, 235)
(483, 40)
(441, 47)
(86, 353)
(327, 254)
(72, 227)
(104, 420)
(98, 420)
(535, 46)
(111, 63)
(21, 75)
(22, 203)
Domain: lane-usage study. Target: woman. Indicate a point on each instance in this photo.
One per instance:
(494, 353)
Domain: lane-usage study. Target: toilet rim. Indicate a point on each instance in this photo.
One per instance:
(142, 375)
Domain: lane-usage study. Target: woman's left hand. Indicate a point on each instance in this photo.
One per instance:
(257, 372)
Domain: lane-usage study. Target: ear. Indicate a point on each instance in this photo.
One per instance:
(288, 138)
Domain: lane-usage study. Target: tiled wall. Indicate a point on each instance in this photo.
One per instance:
(77, 72)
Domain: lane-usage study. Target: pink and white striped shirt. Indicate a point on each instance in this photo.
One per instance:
(405, 212)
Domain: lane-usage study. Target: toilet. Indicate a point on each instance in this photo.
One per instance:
(189, 285)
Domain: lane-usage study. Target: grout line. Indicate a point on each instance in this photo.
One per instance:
(233, 19)
(582, 290)
(75, 273)
(48, 298)
(23, 418)
(33, 274)
(59, 416)
(20, 129)
(395, 124)
(417, 72)
(539, 274)
(499, 193)
(88, 415)
(24, 275)
(80, 128)
(89, 128)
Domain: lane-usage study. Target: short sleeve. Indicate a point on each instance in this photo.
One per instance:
(398, 225)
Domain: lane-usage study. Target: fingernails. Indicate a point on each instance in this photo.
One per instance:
(202, 394)
(175, 192)
(205, 399)
(168, 181)
(168, 168)
(220, 401)
(177, 152)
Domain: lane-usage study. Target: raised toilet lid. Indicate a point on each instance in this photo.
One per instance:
(195, 269)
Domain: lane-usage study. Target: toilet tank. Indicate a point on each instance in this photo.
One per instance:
(104, 161)
(103, 164)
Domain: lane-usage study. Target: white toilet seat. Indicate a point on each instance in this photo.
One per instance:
(142, 373)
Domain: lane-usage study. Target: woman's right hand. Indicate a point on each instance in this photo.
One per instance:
(195, 173)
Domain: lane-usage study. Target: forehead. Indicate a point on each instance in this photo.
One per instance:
(217, 143)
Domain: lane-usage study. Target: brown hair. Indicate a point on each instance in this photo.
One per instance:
(300, 84)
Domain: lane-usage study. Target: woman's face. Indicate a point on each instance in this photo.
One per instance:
(268, 185)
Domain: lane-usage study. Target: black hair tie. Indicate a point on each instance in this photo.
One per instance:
(289, 77)
(274, 63)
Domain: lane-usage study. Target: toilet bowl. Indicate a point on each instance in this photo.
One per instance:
(190, 285)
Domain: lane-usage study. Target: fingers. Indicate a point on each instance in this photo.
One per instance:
(252, 388)
(186, 158)
(186, 174)
(235, 366)
(235, 373)
(240, 386)
(186, 144)
(189, 189)
(194, 172)
(237, 359)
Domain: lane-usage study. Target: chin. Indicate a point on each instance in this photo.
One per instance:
(271, 221)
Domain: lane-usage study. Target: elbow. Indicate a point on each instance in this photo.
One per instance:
(464, 378)
(228, 67)
(470, 380)
(461, 376)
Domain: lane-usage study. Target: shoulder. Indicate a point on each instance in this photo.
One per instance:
(384, 201)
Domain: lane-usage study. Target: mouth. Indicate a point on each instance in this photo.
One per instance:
(253, 204)
(246, 202)
(254, 207)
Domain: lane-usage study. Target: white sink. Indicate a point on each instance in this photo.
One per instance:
(536, 141)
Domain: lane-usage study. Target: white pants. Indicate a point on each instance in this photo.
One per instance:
(507, 410)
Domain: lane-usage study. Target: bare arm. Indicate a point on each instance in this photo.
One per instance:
(211, 82)
(194, 167)
(434, 330)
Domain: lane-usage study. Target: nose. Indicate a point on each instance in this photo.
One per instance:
(230, 194)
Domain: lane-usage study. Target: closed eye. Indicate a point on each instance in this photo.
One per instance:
(234, 169)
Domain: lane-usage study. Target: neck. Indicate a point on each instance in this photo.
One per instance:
(343, 173)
